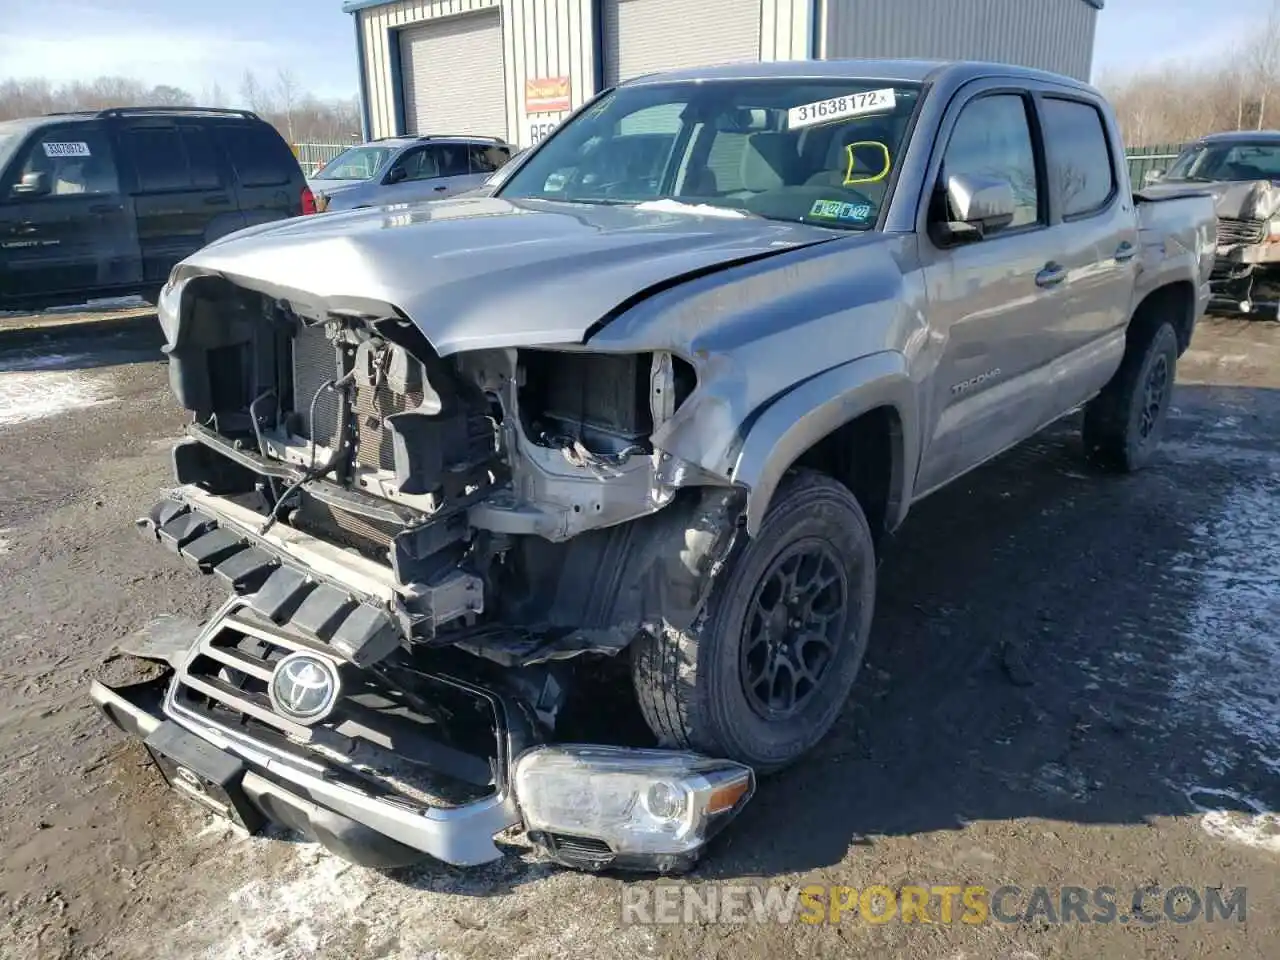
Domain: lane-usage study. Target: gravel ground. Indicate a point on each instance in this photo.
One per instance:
(1073, 679)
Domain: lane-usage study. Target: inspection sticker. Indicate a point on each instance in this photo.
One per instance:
(76, 148)
(837, 108)
(836, 210)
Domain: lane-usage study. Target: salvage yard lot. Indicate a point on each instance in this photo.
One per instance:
(1073, 679)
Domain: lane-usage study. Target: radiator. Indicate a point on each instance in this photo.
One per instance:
(315, 362)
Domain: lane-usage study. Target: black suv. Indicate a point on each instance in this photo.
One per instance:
(104, 204)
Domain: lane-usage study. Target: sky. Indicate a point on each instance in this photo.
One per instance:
(192, 44)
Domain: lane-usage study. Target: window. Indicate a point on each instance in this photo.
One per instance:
(1080, 169)
(992, 138)
(485, 159)
(158, 158)
(452, 158)
(1228, 161)
(201, 159)
(74, 160)
(357, 163)
(419, 164)
(259, 155)
(773, 148)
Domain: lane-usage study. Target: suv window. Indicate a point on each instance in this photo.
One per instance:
(453, 159)
(259, 155)
(1080, 168)
(421, 163)
(992, 138)
(486, 159)
(171, 158)
(75, 160)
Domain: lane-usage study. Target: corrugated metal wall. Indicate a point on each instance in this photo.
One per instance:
(1050, 34)
(541, 38)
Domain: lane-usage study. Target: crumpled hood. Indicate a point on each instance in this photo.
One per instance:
(486, 272)
(1233, 199)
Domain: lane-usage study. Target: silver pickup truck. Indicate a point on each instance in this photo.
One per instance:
(489, 476)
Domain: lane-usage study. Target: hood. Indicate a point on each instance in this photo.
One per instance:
(1233, 199)
(487, 272)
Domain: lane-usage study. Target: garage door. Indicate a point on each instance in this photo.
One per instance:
(453, 76)
(642, 36)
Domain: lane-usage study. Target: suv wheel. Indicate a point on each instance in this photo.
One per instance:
(1123, 425)
(766, 670)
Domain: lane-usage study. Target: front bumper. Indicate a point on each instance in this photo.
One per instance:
(354, 825)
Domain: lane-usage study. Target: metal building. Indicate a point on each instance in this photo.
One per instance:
(516, 68)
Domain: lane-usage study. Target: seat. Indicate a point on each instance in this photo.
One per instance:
(769, 161)
(835, 166)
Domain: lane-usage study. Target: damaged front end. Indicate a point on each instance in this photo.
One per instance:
(1246, 272)
(432, 561)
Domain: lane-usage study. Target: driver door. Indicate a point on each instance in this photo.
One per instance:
(66, 228)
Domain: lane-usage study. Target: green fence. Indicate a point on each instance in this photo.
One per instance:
(313, 156)
(1143, 159)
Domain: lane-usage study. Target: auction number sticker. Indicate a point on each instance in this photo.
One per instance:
(837, 108)
(77, 148)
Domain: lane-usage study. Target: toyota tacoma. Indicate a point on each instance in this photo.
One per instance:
(629, 429)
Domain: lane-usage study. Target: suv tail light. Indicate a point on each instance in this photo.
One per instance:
(308, 201)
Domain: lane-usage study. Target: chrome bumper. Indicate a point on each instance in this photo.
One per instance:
(354, 825)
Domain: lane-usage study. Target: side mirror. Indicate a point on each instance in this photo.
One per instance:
(395, 175)
(978, 206)
(32, 185)
(1152, 176)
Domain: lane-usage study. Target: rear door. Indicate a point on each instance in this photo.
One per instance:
(269, 181)
(483, 160)
(1096, 236)
(179, 189)
(69, 231)
(994, 303)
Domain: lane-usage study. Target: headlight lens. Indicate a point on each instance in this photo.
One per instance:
(647, 802)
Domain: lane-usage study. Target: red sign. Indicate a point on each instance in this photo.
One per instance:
(546, 95)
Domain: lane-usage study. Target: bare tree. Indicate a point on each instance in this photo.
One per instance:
(287, 94)
(1263, 58)
(251, 92)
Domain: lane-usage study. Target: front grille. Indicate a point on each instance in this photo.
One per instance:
(1232, 232)
(373, 437)
(315, 363)
(375, 736)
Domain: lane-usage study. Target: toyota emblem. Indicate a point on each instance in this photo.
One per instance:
(305, 687)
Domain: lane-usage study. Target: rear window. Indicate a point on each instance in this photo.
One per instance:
(1080, 168)
(258, 154)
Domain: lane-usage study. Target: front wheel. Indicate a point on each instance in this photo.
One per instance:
(764, 673)
(1123, 425)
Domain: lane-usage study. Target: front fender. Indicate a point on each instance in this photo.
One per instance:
(802, 416)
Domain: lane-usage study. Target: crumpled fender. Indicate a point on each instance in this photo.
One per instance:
(799, 418)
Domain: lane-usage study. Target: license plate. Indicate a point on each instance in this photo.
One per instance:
(203, 774)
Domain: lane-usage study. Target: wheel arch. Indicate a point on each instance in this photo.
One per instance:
(864, 406)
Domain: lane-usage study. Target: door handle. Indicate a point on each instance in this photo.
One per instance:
(1052, 275)
(218, 201)
(23, 226)
(439, 189)
(1126, 251)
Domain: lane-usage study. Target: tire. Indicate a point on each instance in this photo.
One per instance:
(708, 688)
(1124, 424)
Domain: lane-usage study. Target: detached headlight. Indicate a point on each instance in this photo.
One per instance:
(598, 806)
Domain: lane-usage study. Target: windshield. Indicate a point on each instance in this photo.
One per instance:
(1228, 161)
(813, 151)
(357, 163)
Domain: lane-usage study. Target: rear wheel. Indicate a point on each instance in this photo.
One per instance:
(1124, 424)
(765, 672)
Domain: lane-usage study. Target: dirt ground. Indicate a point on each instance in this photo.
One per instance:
(1073, 679)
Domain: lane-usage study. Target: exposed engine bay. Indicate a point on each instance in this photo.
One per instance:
(471, 479)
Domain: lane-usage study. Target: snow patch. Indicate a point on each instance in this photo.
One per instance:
(1260, 829)
(1231, 660)
(28, 396)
